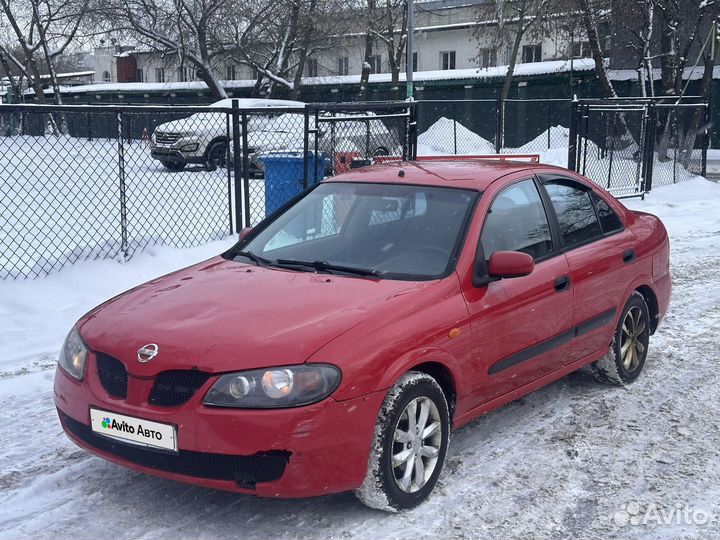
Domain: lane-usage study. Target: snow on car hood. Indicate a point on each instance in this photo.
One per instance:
(223, 316)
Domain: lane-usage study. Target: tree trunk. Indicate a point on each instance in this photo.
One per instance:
(308, 29)
(693, 128)
(365, 74)
(513, 56)
(588, 19)
(208, 77)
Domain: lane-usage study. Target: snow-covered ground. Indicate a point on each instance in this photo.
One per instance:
(575, 459)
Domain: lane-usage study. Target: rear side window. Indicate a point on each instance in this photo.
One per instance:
(575, 212)
(609, 220)
(517, 222)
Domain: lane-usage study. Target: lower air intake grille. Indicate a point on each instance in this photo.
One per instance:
(173, 388)
(245, 470)
(113, 375)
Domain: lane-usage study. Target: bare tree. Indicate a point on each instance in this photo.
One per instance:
(183, 27)
(516, 19)
(393, 32)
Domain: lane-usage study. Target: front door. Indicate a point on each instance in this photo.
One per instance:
(521, 326)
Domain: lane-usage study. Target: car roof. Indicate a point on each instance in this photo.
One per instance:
(475, 174)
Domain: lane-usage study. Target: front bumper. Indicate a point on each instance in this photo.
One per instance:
(306, 451)
(163, 153)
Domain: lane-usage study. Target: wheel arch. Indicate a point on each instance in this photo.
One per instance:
(652, 304)
(222, 138)
(444, 377)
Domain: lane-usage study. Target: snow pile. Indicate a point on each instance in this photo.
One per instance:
(440, 139)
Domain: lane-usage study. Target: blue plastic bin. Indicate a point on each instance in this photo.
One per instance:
(284, 173)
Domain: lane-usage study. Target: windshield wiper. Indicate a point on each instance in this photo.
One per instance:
(260, 261)
(324, 266)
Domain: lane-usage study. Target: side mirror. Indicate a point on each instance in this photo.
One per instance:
(244, 232)
(510, 264)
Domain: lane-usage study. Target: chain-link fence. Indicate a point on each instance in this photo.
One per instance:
(480, 127)
(92, 182)
(630, 145)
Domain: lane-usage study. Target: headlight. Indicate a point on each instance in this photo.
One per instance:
(289, 386)
(73, 355)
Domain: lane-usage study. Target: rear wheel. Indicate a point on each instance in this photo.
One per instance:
(409, 446)
(216, 155)
(172, 165)
(625, 360)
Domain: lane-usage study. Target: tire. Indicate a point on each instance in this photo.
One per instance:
(386, 487)
(216, 155)
(172, 165)
(625, 360)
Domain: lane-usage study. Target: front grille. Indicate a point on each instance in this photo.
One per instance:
(245, 470)
(166, 138)
(173, 388)
(113, 375)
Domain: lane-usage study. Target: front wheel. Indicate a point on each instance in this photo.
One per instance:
(409, 445)
(216, 155)
(628, 350)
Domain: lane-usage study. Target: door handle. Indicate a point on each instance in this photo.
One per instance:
(628, 256)
(562, 283)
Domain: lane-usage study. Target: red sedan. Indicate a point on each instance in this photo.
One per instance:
(334, 346)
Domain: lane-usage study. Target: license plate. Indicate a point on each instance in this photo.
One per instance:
(133, 430)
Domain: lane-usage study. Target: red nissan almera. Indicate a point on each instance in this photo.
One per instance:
(336, 344)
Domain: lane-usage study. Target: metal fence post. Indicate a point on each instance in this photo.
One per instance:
(499, 125)
(237, 172)
(650, 131)
(228, 169)
(455, 127)
(573, 137)
(706, 136)
(315, 150)
(306, 145)
(122, 186)
(246, 168)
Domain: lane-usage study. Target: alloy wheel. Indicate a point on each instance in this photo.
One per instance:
(633, 341)
(416, 444)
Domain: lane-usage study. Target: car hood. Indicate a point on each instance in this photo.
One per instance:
(222, 316)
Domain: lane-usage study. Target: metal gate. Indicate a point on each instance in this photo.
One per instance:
(627, 145)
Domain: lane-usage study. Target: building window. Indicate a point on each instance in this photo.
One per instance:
(187, 74)
(159, 74)
(312, 67)
(487, 58)
(581, 50)
(447, 60)
(140, 76)
(343, 65)
(375, 62)
(532, 53)
(106, 76)
(230, 73)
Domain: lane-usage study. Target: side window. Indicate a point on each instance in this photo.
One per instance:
(517, 221)
(609, 220)
(575, 212)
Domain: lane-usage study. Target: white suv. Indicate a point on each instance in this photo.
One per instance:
(203, 138)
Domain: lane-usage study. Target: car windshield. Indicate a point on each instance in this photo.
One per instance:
(391, 231)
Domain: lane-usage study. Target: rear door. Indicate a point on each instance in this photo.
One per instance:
(521, 325)
(599, 251)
